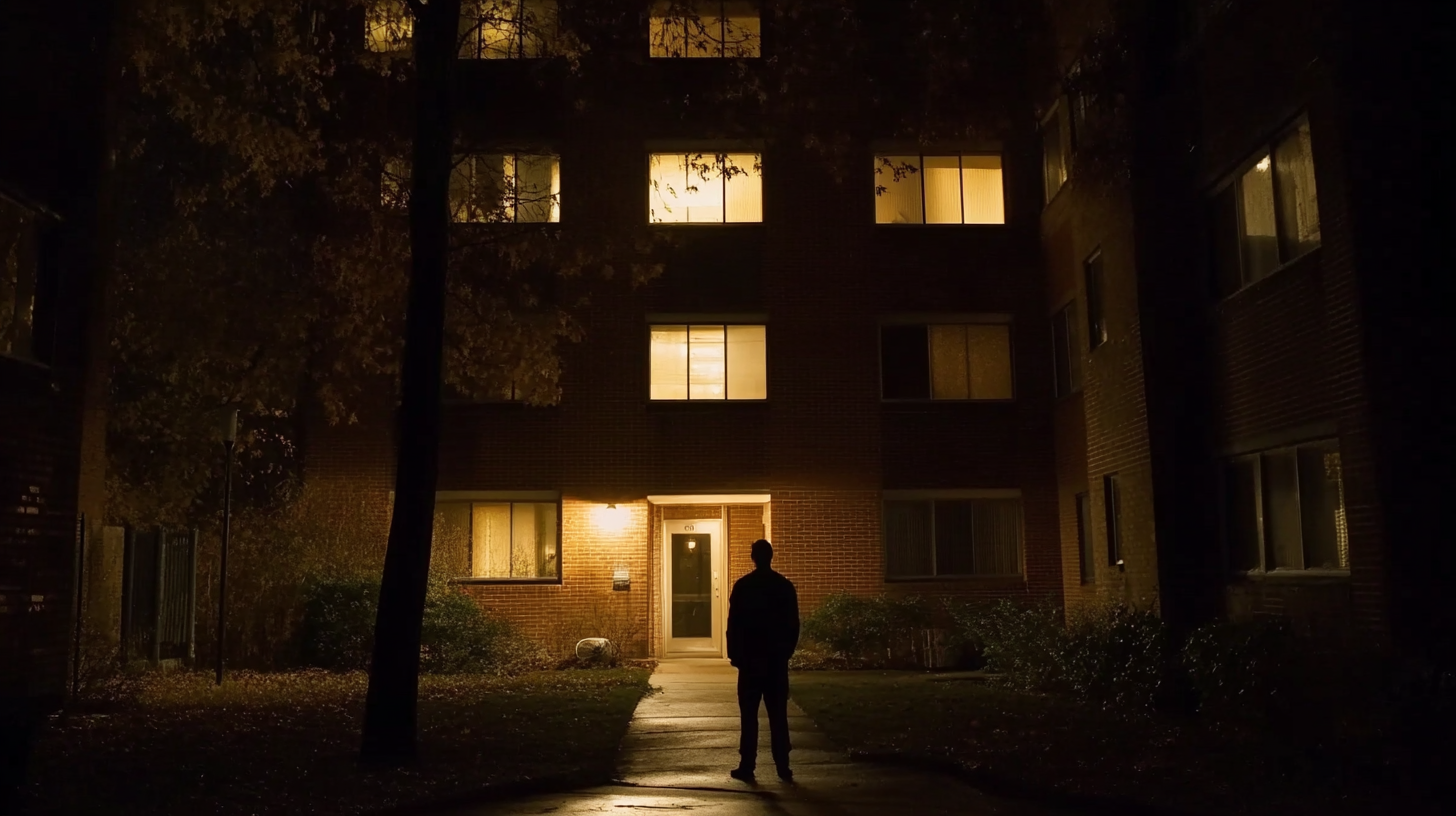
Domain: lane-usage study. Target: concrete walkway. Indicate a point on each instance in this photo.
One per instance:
(683, 740)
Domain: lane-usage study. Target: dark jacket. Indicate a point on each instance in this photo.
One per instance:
(763, 620)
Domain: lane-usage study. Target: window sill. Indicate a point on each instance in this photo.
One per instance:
(917, 403)
(507, 581)
(898, 226)
(1275, 272)
(706, 224)
(1295, 576)
(699, 405)
(958, 579)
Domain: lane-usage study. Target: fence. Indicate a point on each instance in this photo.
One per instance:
(159, 596)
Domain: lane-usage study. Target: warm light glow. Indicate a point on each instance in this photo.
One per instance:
(704, 28)
(695, 188)
(510, 187)
(958, 189)
(1263, 165)
(611, 519)
(709, 362)
(388, 28)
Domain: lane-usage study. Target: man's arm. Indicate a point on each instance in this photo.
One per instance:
(734, 627)
(791, 622)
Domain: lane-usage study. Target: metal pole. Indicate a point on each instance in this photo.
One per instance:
(80, 606)
(191, 633)
(229, 442)
(159, 596)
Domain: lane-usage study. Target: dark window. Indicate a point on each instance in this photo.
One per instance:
(1096, 313)
(1285, 510)
(1054, 151)
(1084, 537)
(1268, 215)
(1112, 509)
(19, 278)
(950, 361)
(1066, 362)
(929, 538)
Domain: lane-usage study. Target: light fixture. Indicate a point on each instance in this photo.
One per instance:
(610, 518)
(692, 544)
(1263, 165)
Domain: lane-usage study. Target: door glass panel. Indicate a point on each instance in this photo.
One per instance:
(692, 585)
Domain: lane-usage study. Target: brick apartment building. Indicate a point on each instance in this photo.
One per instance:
(1006, 375)
(1247, 345)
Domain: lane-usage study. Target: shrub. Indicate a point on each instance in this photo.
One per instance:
(1238, 669)
(875, 630)
(457, 635)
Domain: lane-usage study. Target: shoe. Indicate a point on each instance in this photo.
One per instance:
(786, 774)
(742, 775)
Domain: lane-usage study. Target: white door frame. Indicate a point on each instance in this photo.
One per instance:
(698, 647)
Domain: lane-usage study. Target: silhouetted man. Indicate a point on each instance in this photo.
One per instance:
(763, 629)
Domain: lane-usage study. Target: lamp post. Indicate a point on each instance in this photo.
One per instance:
(229, 441)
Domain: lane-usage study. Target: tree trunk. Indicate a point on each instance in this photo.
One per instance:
(390, 710)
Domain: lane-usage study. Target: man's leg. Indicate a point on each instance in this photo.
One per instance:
(776, 700)
(750, 691)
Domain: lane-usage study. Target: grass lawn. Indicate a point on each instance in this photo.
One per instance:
(287, 743)
(1036, 745)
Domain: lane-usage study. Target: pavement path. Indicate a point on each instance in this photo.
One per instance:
(683, 740)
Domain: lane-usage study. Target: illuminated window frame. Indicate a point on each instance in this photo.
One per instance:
(889, 165)
(664, 43)
(688, 324)
(388, 27)
(727, 165)
(470, 498)
(1299, 456)
(464, 172)
(492, 29)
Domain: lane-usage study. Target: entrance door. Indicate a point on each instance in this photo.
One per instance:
(693, 563)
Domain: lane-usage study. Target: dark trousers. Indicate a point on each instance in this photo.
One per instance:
(771, 685)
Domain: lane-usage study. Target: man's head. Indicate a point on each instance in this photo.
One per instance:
(761, 553)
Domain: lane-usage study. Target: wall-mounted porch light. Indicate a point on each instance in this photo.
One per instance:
(611, 518)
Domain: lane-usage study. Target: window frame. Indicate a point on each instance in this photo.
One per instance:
(882, 157)
(1232, 186)
(719, 154)
(1261, 523)
(1094, 281)
(933, 497)
(1112, 516)
(929, 320)
(1056, 121)
(548, 38)
(511, 497)
(552, 200)
(1067, 316)
(722, 32)
(688, 321)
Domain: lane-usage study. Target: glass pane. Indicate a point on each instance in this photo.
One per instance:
(747, 374)
(1054, 165)
(990, 361)
(1241, 513)
(1061, 353)
(1084, 537)
(499, 30)
(707, 377)
(388, 28)
(1322, 508)
(897, 190)
(741, 30)
(533, 540)
(702, 195)
(18, 272)
(704, 29)
(537, 181)
(1261, 246)
(1112, 516)
(996, 529)
(1224, 221)
(669, 363)
(948, 363)
(490, 531)
(692, 585)
(954, 533)
(667, 180)
(1281, 510)
(907, 539)
(743, 174)
(394, 184)
(942, 189)
(981, 183)
(1299, 224)
(451, 546)
(1096, 316)
(904, 362)
(667, 35)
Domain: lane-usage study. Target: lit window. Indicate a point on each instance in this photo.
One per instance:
(705, 188)
(503, 540)
(511, 187)
(1268, 216)
(507, 29)
(713, 362)
(952, 536)
(1054, 138)
(704, 28)
(19, 272)
(388, 26)
(959, 361)
(1285, 509)
(938, 190)
(1067, 362)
